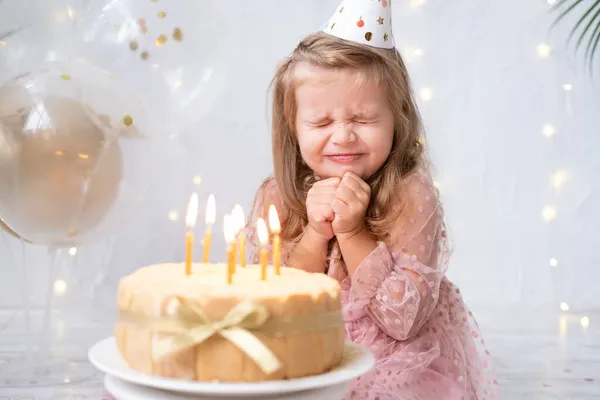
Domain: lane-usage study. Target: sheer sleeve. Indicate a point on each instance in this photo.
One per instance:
(266, 195)
(398, 283)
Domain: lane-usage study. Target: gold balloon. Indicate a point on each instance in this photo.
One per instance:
(59, 172)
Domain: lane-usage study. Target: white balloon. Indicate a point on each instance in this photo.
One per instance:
(175, 53)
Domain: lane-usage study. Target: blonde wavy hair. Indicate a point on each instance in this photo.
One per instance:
(294, 178)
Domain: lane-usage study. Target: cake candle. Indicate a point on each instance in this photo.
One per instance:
(263, 237)
(211, 211)
(275, 226)
(229, 231)
(190, 222)
(240, 222)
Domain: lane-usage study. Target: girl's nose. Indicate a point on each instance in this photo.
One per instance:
(343, 134)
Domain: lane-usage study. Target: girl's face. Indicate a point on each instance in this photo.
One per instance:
(343, 122)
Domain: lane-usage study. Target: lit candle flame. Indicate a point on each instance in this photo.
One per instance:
(263, 233)
(228, 229)
(274, 223)
(192, 212)
(211, 211)
(238, 218)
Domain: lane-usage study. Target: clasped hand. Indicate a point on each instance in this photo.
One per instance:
(337, 207)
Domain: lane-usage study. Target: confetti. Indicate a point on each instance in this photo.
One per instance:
(133, 45)
(162, 14)
(72, 232)
(177, 35)
(127, 120)
(144, 56)
(368, 36)
(142, 25)
(161, 40)
(65, 77)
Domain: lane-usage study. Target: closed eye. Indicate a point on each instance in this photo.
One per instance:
(319, 124)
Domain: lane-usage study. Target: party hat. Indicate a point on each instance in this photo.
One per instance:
(363, 21)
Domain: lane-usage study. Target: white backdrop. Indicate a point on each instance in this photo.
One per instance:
(490, 102)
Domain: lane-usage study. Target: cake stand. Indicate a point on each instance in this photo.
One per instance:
(126, 384)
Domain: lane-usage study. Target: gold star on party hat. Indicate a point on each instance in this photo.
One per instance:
(363, 21)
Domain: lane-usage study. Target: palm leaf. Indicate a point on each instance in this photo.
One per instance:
(587, 25)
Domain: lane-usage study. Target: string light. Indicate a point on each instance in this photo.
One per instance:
(549, 130)
(585, 321)
(551, 2)
(426, 94)
(197, 180)
(60, 287)
(567, 87)
(558, 178)
(73, 251)
(173, 215)
(564, 306)
(553, 262)
(543, 50)
(549, 213)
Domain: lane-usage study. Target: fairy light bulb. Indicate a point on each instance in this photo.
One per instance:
(173, 215)
(553, 262)
(564, 306)
(416, 3)
(558, 179)
(426, 94)
(549, 130)
(549, 213)
(197, 180)
(584, 321)
(59, 287)
(73, 251)
(551, 2)
(543, 50)
(567, 87)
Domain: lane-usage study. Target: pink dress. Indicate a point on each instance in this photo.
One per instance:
(400, 304)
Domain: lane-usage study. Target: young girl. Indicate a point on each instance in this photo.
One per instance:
(352, 187)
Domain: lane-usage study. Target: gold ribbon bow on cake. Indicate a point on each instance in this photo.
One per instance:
(193, 326)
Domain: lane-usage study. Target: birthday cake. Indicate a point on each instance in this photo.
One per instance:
(200, 327)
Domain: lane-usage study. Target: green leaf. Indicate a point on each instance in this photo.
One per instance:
(589, 20)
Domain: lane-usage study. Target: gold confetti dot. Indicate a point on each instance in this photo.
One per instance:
(161, 40)
(177, 35)
(133, 45)
(65, 77)
(142, 25)
(127, 120)
(162, 14)
(144, 55)
(72, 232)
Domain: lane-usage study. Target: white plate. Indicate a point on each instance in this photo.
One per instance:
(357, 360)
(122, 390)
